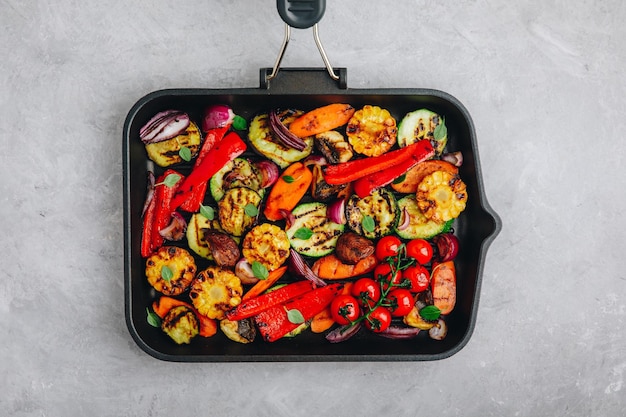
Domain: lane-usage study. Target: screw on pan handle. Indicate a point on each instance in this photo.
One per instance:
(301, 14)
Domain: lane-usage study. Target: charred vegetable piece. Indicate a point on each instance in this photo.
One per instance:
(352, 247)
(443, 284)
(372, 131)
(373, 216)
(265, 143)
(417, 226)
(312, 233)
(197, 229)
(215, 291)
(320, 189)
(170, 270)
(238, 210)
(240, 331)
(288, 190)
(422, 124)
(224, 249)
(167, 152)
(267, 244)
(237, 173)
(322, 119)
(334, 147)
(441, 196)
(181, 324)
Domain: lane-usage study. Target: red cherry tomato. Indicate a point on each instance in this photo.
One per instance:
(378, 320)
(420, 250)
(383, 272)
(344, 309)
(401, 301)
(388, 246)
(367, 291)
(418, 276)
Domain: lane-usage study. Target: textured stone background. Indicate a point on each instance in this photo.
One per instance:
(545, 86)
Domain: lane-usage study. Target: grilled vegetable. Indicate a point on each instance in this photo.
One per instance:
(372, 131)
(373, 216)
(352, 247)
(267, 244)
(331, 267)
(443, 284)
(224, 249)
(320, 189)
(197, 229)
(264, 142)
(288, 190)
(415, 175)
(238, 210)
(334, 147)
(170, 270)
(312, 233)
(167, 152)
(215, 291)
(263, 285)
(421, 124)
(241, 331)
(237, 173)
(417, 226)
(208, 327)
(253, 306)
(322, 119)
(441, 196)
(181, 324)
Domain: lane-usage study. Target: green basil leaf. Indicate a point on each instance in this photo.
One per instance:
(295, 316)
(153, 319)
(441, 131)
(207, 212)
(166, 273)
(239, 123)
(430, 313)
(368, 224)
(303, 233)
(259, 270)
(251, 210)
(185, 153)
(399, 179)
(288, 179)
(171, 180)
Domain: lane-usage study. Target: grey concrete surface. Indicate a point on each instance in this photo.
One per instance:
(545, 85)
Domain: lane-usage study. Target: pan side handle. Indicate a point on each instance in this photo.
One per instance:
(304, 80)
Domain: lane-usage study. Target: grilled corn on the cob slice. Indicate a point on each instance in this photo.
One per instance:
(267, 244)
(170, 270)
(181, 324)
(441, 196)
(372, 131)
(214, 291)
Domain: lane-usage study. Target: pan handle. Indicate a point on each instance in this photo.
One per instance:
(301, 14)
(304, 81)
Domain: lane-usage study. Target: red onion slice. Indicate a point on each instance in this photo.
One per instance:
(176, 229)
(336, 211)
(318, 160)
(455, 158)
(302, 269)
(150, 192)
(283, 134)
(400, 332)
(447, 246)
(163, 126)
(405, 219)
(343, 333)
(216, 116)
(269, 172)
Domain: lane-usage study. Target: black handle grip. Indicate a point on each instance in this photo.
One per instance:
(301, 14)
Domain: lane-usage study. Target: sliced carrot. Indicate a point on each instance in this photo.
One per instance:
(330, 267)
(443, 284)
(415, 175)
(208, 327)
(263, 285)
(322, 119)
(323, 320)
(288, 190)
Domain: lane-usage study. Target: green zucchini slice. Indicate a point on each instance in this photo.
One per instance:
(312, 233)
(373, 216)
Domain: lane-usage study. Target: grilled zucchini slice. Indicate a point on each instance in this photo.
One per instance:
(264, 142)
(197, 227)
(311, 232)
(267, 244)
(215, 291)
(239, 172)
(421, 124)
(419, 226)
(373, 216)
(166, 153)
(441, 196)
(238, 210)
(372, 131)
(170, 270)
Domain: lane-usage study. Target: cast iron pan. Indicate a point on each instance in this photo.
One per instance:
(306, 88)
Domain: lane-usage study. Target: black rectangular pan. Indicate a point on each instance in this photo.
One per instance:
(306, 89)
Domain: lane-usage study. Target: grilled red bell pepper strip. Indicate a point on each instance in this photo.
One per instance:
(353, 170)
(254, 306)
(148, 228)
(163, 195)
(365, 185)
(274, 322)
(196, 195)
(224, 151)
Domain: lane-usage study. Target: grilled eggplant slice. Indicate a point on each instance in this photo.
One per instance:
(238, 210)
(267, 244)
(181, 324)
(167, 152)
(418, 226)
(373, 216)
(241, 331)
(265, 143)
(170, 270)
(239, 172)
(215, 291)
(372, 131)
(312, 233)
